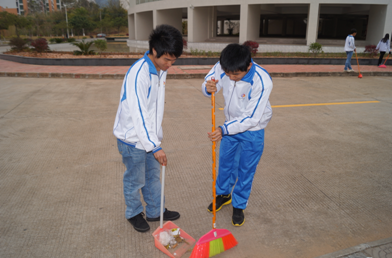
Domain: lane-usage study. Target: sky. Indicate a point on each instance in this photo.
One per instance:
(8, 3)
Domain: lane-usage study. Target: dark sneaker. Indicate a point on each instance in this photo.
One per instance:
(220, 201)
(167, 215)
(139, 223)
(238, 217)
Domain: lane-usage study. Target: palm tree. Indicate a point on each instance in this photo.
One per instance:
(84, 48)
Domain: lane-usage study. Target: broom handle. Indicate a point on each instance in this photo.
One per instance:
(213, 159)
(386, 59)
(162, 194)
(359, 71)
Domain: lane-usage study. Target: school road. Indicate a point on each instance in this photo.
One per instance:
(323, 185)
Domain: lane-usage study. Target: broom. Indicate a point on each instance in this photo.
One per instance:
(359, 71)
(383, 65)
(217, 240)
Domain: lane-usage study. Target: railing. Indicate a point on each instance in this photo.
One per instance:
(145, 1)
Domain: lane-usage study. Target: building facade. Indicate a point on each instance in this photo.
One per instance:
(277, 25)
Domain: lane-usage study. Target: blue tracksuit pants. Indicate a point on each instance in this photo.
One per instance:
(239, 156)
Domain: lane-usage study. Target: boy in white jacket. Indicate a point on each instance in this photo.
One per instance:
(246, 89)
(349, 47)
(138, 127)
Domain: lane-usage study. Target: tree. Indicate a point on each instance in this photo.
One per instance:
(80, 19)
(19, 21)
(35, 6)
(117, 14)
(5, 21)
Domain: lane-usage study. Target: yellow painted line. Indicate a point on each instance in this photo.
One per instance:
(325, 104)
(322, 104)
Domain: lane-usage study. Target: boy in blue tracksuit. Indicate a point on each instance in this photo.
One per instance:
(350, 48)
(246, 89)
(138, 127)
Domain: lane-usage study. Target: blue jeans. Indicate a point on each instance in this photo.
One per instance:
(348, 60)
(239, 156)
(143, 173)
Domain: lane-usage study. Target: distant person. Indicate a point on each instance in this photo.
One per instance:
(383, 46)
(246, 89)
(138, 127)
(349, 47)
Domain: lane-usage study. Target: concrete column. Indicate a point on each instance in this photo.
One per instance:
(143, 25)
(388, 21)
(376, 23)
(131, 26)
(154, 18)
(198, 22)
(253, 23)
(190, 24)
(243, 23)
(214, 22)
(171, 17)
(312, 23)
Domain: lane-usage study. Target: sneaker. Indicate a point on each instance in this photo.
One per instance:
(167, 215)
(238, 217)
(351, 71)
(347, 71)
(220, 201)
(139, 223)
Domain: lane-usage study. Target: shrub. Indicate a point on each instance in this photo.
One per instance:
(59, 40)
(18, 44)
(40, 45)
(254, 46)
(371, 49)
(101, 44)
(315, 48)
(71, 40)
(52, 40)
(84, 48)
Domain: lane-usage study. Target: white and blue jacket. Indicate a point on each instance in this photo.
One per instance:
(384, 46)
(350, 44)
(247, 106)
(139, 115)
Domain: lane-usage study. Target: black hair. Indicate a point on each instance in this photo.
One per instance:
(353, 31)
(235, 57)
(166, 39)
(385, 38)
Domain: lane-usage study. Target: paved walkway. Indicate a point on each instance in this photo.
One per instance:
(323, 187)
(13, 69)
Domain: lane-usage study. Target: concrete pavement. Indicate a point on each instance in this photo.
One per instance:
(323, 186)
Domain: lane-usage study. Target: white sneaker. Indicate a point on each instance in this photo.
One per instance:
(351, 71)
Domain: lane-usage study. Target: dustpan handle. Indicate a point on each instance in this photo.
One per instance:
(213, 159)
(162, 194)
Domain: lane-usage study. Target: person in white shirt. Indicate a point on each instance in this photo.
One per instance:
(138, 127)
(246, 88)
(349, 47)
(383, 46)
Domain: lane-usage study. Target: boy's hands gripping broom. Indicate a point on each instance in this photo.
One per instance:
(217, 240)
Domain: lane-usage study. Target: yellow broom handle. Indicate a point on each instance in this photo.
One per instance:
(213, 159)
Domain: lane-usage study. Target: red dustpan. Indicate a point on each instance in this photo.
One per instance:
(183, 244)
(383, 65)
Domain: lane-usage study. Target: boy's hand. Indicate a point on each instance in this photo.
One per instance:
(215, 135)
(211, 86)
(161, 157)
